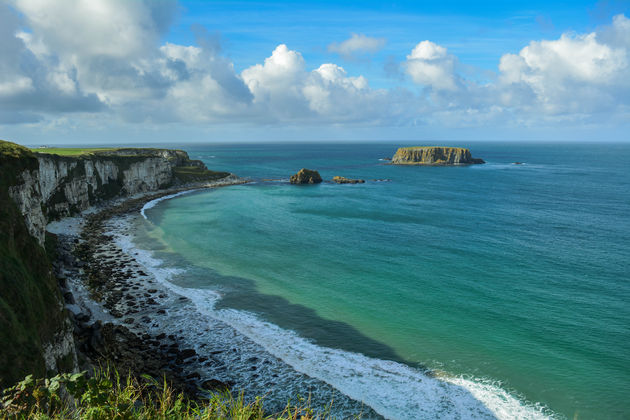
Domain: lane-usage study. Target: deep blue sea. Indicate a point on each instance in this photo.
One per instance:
(426, 287)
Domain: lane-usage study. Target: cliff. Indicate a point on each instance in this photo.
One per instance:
(35, 188)
(433, 155)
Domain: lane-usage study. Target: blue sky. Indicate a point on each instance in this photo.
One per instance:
(258, 71)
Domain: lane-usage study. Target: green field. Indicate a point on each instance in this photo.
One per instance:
(70, 151)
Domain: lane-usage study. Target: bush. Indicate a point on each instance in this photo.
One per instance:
(106, 396)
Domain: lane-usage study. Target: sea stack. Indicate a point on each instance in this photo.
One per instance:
(306, 176)
(434, 155)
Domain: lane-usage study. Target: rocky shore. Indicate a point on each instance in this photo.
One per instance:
(124, 316)
(93, 270)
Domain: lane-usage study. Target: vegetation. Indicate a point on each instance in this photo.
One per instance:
(29, 303)
(108, 396)
(187, 174)
(69, 151)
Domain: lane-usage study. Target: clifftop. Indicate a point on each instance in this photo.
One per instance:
(434, 155)
(35, 187)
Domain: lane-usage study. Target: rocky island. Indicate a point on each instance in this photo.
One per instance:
(306, 176)
(434, 155)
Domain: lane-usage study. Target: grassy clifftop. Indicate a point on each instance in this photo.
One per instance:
(31, 308)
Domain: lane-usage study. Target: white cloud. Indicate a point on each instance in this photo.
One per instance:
(92, 56)
(431, 65)
(357, 44)
(578, 77)
(574, 74)
(87, 28)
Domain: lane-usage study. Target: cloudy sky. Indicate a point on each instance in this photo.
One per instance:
(120, 71)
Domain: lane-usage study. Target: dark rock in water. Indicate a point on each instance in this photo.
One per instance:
(433, 155)
(215, 384)
(187, 353)
(68, 298)
(306, 176)
(344, 180)
(518, 163)
(82, 317)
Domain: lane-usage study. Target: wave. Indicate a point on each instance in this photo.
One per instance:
(153, 203)
(393, 390)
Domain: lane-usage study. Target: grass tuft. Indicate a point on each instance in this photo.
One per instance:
(107, 396)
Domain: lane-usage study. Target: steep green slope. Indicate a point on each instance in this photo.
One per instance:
(30, 310)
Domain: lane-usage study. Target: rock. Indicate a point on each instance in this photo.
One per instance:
(69, 298)
(187, 353)
(436, 156)
(518, 163)
(343, 180)
(215, 384)
(306, 176)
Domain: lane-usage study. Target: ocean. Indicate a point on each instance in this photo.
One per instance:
(485, 291)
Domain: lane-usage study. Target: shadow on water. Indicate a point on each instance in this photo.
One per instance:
(240, 293)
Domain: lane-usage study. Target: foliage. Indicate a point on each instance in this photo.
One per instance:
(107, 396)
(69, 151)
(30, 311)
(187, 174)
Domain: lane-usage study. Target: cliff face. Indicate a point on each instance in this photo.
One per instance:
(58, 186)
(35, 332)
(434, 156)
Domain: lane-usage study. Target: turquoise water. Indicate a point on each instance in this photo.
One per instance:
(511, 275)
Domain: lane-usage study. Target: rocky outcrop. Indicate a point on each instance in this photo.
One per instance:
(57, 186)
(344, 180)
(35, 331)
(433, 155)
(306, 176)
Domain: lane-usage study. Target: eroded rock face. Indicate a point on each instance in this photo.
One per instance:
(306, 176)
(433, 155)
(344, 180)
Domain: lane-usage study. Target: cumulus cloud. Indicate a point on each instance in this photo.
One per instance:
(431, 65)
(576, 73)
(357, 44)
(31, 83)
(108, 57)
(575, 77)
(287, 90)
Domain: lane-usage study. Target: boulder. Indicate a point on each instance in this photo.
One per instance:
(344, 180)
(306, 176)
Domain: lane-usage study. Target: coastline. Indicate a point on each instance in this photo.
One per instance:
(100, 332)
(125, 311)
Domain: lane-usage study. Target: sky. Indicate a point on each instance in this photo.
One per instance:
(158, 71)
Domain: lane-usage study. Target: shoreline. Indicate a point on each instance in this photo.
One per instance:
(98, 331)
(175, 326)
(121, 310)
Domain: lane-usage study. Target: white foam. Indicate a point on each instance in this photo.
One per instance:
(152, 203)
(392, 389)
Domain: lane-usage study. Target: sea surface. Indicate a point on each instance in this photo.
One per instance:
(425, 288)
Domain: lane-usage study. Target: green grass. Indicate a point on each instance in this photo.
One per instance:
(194, 173)
(108, 396)
(431, 147)
(70, 151)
